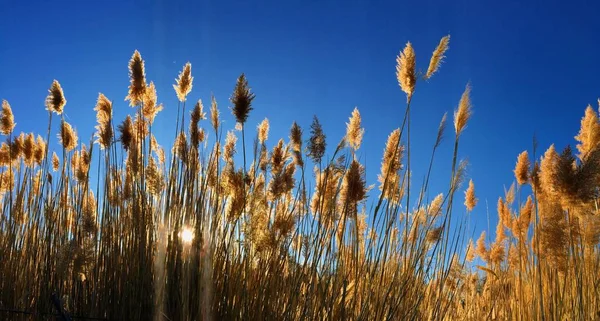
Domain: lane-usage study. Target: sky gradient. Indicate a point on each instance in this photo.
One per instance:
(533, 69)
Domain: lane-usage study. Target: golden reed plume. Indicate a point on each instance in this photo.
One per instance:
(522, 168)
(242, 100)
(470, 199)
(7, 119)
(463, 112)
(183, 85)
(354, 133)
(150, 108)
(55, 101)
(68, 136)
(437, 57)
(104, 130)
(263, 131)
(405, 70)
(137, 78)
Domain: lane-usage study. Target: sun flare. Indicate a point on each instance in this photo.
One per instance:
(187, 235)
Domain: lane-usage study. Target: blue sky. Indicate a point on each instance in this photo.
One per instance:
(533, 67)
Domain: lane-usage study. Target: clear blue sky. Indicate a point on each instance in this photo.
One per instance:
(533, 66)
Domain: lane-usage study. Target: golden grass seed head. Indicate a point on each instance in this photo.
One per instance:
(67, 136)
(40, 150)
(438, 56)
(137, 79)
(214, 114)
(316, 143)
(263, 131)
(55, 162)
(29, 149)
(354, 186)
(589, 133)
(229, 147)
(405, 70)
(241, 99)
(150, 107)
(354, 133)
(126, 133)
(463, 112)
(7, 119)
(55, 101)
(522, 168)
(183, 85)
(470, 199)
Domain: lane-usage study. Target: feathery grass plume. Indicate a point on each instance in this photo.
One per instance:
(104, 130)
(482, 250)
(503, 212)
(441, 130)
(405, 70)
(470, 255)
(316, 143)
(214, 114)
(17, 146)
(509, 195)
(180, 148)
(434, 235)
(435, 207)
(296, 144)
(576, 183)
(500, 233)
(354, 186)
(229, 147)
(354, 133)
(55, 162)
(263, 131)
(88, 210)
(521, 225)
(463, 112)
(296, 137)
(589, 133)
(5, 154)
(522, 168)
(137, 78)
(40, 150)
(470, 199)
(241, 100)
(196, 134)
(391, 163)
(184, 82)
(126, 133)
(7, 181)
(326, 192)
(150, 108)
(548, 171)
(7, 119)
(233, 185)
(278, 157)
(29, 149)
(55, 101)
(68, 136)
(497, 253)
(155, 178)
(438, 56)
(590, 228)
(282, 182)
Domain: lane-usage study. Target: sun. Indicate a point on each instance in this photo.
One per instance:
(187, 235)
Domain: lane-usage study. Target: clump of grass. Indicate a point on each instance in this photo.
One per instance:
(131, 235)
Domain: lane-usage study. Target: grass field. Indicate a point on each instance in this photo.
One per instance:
(122, 228)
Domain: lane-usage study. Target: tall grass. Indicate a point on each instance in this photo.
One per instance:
(290, 233)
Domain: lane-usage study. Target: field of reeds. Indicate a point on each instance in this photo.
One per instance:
(122, 228)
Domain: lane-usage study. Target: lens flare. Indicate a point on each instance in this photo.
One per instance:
(187, 235)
